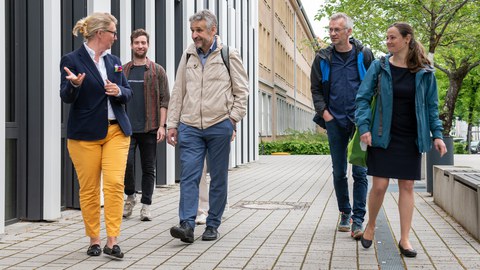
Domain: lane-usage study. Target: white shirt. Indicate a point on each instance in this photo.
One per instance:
(103, 72)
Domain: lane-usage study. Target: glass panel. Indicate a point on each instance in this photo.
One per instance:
(9, 52)
(10, 179)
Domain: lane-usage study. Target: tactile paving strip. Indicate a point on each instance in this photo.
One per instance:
(387, 251)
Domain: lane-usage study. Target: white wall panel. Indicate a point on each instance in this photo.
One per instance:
(98, 6)
(222, 20)
(125, 30)
(52, 111)
(253, 67)
(199, 5)
(188, 10)
(170, 70)
(212, 5)
(2, 118)
(150, 27)
(242, 22)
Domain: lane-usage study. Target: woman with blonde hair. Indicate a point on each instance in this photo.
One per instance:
(98, 130)
(406, 114)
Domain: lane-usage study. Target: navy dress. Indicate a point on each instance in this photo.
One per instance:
(401, 159)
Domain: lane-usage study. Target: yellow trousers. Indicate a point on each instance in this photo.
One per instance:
(91, 159)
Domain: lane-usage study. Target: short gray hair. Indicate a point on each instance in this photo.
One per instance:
(206, 15)
(341, 15)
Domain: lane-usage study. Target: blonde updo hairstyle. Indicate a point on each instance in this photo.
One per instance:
(90, 25)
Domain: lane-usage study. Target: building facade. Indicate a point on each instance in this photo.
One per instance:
(37, 179)
(285, 37)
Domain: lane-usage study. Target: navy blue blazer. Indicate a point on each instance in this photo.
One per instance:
(88, 118)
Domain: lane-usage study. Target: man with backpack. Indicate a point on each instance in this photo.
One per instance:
(337, 72)
(208, 99)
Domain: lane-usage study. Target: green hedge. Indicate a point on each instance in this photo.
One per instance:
(295, 147)
(460, 148)
(308, 143)
(297, 143)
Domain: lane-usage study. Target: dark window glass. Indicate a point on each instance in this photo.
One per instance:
(9, 53)
(10, 180)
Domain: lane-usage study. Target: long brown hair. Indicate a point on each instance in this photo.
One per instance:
(416, 57)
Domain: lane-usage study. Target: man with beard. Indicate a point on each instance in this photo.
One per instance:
(208, 99)
(147, 112)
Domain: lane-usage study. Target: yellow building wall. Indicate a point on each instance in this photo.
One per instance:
(284, 48)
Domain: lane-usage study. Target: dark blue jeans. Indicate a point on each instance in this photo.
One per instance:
(147, 143)
(194, 144)
(338, 138)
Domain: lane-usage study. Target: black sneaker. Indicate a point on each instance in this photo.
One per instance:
(184, 232)
(210, 234)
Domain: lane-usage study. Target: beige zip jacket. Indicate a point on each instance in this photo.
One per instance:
(203, 97)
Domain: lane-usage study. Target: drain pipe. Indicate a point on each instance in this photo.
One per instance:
(295, 70)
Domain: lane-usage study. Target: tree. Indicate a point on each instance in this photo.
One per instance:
(442, 25)
(469, 103)
(459, 57)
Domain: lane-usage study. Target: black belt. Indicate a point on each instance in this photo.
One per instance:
(112, 122)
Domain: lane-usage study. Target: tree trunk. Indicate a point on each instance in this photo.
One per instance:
(471, 107)
(469, 137)
(450, 100)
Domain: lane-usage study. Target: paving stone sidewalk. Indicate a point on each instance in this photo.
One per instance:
(282, 215)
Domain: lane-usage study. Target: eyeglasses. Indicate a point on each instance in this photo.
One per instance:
(336, 30)
(113, 32)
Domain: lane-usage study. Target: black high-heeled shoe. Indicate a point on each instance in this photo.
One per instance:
(411, 253)
(365, 242)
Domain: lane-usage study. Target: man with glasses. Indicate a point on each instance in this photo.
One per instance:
(337, 72)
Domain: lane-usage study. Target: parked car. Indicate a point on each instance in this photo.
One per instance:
(474, 147)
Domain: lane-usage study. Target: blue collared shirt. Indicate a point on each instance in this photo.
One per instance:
(345, 81)
(203, 56)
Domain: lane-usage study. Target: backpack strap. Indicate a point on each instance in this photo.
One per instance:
(225, 53)
(367, 59)
(379, 75)
(226, 57)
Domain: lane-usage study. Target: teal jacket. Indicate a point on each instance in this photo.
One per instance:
(426, 106)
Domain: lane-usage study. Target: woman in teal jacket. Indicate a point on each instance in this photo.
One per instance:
(406, 115)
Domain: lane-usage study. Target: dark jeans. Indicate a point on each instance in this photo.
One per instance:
(194, 144)
(338, 138)
(147, 143)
